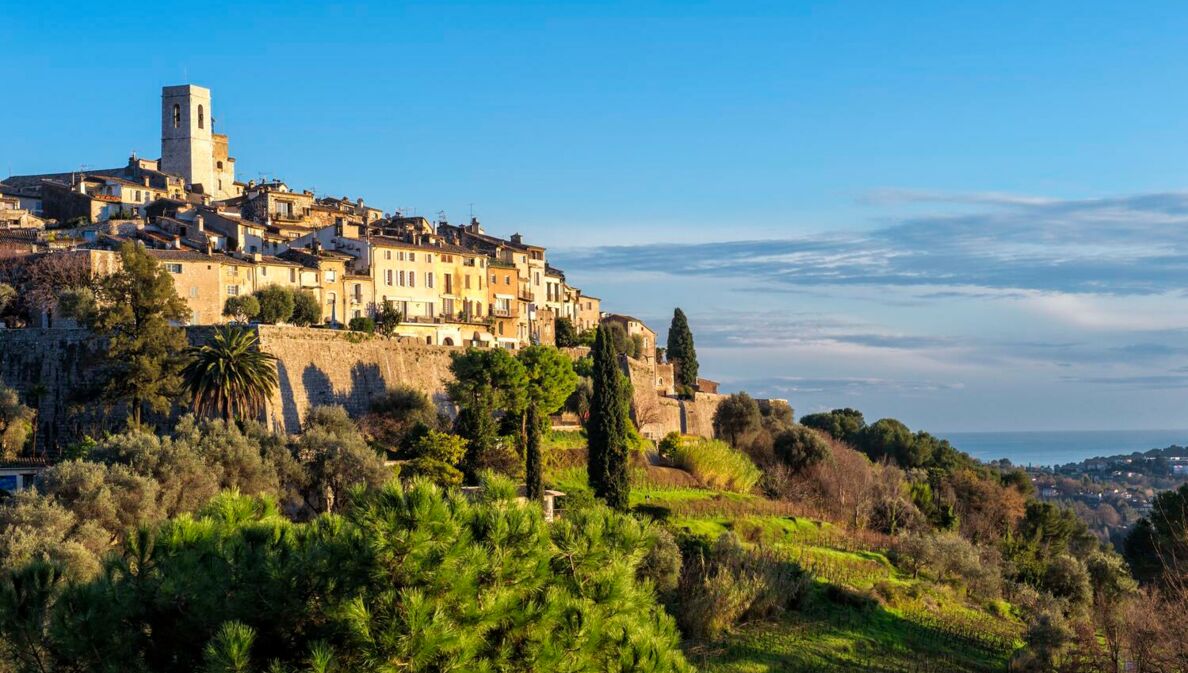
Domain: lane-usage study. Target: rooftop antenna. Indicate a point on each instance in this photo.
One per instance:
(471, 210)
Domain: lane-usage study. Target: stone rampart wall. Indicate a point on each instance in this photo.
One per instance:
(55, 371)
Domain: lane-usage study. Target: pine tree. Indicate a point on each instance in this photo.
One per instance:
(549, 380)
(681, 350)
(607, 468)
(137, 313)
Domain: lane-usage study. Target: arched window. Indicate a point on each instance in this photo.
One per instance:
(219, 165)
(201, 119)
(176, 116)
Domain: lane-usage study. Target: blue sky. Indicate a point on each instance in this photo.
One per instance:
(967, 217)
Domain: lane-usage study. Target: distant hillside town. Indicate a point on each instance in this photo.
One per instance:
(223, 239)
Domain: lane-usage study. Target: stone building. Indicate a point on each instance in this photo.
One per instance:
(638, 328)
(589, 312)
(189, 146)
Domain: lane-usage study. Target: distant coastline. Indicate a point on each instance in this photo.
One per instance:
(1056, 447)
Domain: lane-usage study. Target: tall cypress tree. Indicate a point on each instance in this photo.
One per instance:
(533, 482)
(607, 467)
(681, 350)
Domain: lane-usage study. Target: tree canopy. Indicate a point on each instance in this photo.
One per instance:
(138, 312)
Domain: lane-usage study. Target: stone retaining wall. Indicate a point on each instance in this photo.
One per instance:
(54, 370)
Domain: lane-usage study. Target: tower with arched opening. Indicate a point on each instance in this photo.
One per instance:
(187, 143)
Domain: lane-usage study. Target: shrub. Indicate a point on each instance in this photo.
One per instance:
(662, 563)
(440, 446)
(393, 417)
(800, 447)
(362, 324)
(436, 471)
(851, 598)
(716, 464)
(242, 309)
(276, 303)
(306, 309)
(730, 584)
(387, 318)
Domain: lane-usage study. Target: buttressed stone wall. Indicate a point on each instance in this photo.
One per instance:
(318, 366)
(54, 370)
(657, 415)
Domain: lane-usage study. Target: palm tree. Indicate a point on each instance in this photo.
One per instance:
(230, 377)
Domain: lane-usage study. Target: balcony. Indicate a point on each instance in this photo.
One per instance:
(505, 313)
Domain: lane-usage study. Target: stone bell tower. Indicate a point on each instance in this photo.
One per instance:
(187, 146)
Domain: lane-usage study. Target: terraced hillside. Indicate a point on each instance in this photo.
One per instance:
(859, 611)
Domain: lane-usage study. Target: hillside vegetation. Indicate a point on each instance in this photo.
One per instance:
(838, 600)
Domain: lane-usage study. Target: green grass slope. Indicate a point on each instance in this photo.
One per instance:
(861, 612)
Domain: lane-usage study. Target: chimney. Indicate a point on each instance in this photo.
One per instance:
(198, 222)
(177, 242)
(517, 239)
(359, 202)
(146, 181)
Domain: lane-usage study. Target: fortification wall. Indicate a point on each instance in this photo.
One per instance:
(657, 415)
(318, 366)
(55, 371)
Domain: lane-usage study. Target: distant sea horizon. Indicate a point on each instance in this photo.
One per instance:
(1060, 447)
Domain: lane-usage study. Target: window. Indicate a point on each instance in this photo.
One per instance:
(467, 281)
(402, 279)
(194, 292)
(400, 255)
(138, 195)
(219, 165)
(447, 306)
(176, 116)
(428, 279)
(388, 255)
(263, 269)
(232, 290)
(412, 278)
(331, 276)
(201, 117)
(173, 268)
(292, 275)
(412, 256)
(388, 276)
(358, 292)
(507, 280)
(492, 279)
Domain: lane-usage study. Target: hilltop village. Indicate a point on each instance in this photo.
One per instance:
(230, 247)
(223, 238)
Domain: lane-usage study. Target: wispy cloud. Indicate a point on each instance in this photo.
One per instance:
(1126, 245)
